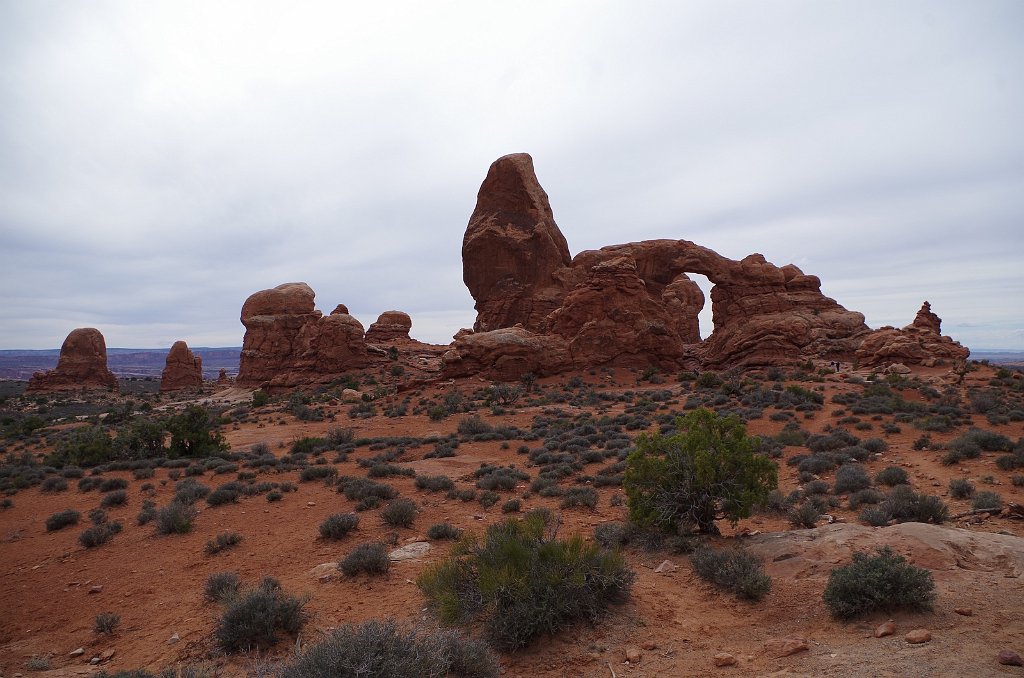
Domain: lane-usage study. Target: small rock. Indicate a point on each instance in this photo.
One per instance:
(411, 551)
(666, 566)
(724, 659)
(107, 655)
(1010, 658)
(96, 589)
(784, 647)
(633, 655)
(94, 661)
(310, 503)
(918, 636)
(886, 629)
(649, 645)
(965, 611)
(173, 639)
(77, 653)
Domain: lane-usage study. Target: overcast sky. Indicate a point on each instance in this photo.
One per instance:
(160, 161)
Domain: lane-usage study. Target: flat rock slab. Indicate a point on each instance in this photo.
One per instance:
(412, 551)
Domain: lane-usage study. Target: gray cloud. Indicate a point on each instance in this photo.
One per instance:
(161, 161)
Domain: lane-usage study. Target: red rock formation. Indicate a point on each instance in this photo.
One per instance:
(183, 370)
(82, 365)
(288, 342)
(633, 303)
(506, 354)
(390, 326)
(919, 343)
(513, 248)
(222, 378)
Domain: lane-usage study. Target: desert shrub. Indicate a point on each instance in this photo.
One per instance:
(223, 495)
(443, 531)
(338, 525)
(473, 425)
(851, 478)
(317, 473)
(253, 619)
(734, 570)
(892, 476)
(961, 488)
(115, 498)
(54, 484)
(866, 496)
(111, 484)
(434, 483)
(815, 487)
(489, 498)
(371, 558)
(106, 622)
(876, 445)
(358, 489)
(62, 519)
(986, 500)
(520, 584)
(399, 513)
(710, 469)
(260, 398)
(189, 491)
(221, 585)
(579, 496)
(512, 506)
(806, 515)
(148, 512)
(903, 505)
(222, 541)
(882, 582)
(100, 534)
(383, 650)
(175, 518)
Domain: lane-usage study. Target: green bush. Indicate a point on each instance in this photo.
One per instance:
(318, 473)
(194, 434)
(115, 498)
(806, 515)
(62, 519)
(399, 513)
(253, 619)
(371, 558)
(520, 583)
(734, 570)
(89, 446)
(579, 496)
(710, 469)
(338, 525)
(905, 505)
(220, 586)
(222, 541)
(882, 582)
(383, 650)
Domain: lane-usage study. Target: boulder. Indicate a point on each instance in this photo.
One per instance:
(390, 326)
(183, 369)
(289, 343)
(506, 354)
(82, 365)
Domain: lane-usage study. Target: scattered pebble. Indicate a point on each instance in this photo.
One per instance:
(965, 611)
(1010, 658)
(633, 655)
(96, 589)
(724, 659)
(886, 629)
(784, 647)
(649, 645)
(666, 566)
(918, 636)
(173, 639)
(77, 653)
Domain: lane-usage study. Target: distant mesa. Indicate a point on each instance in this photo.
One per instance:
(82, 365)
(542, 311)
(183, 371)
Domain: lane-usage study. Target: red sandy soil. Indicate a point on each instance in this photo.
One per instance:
(155, 582)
